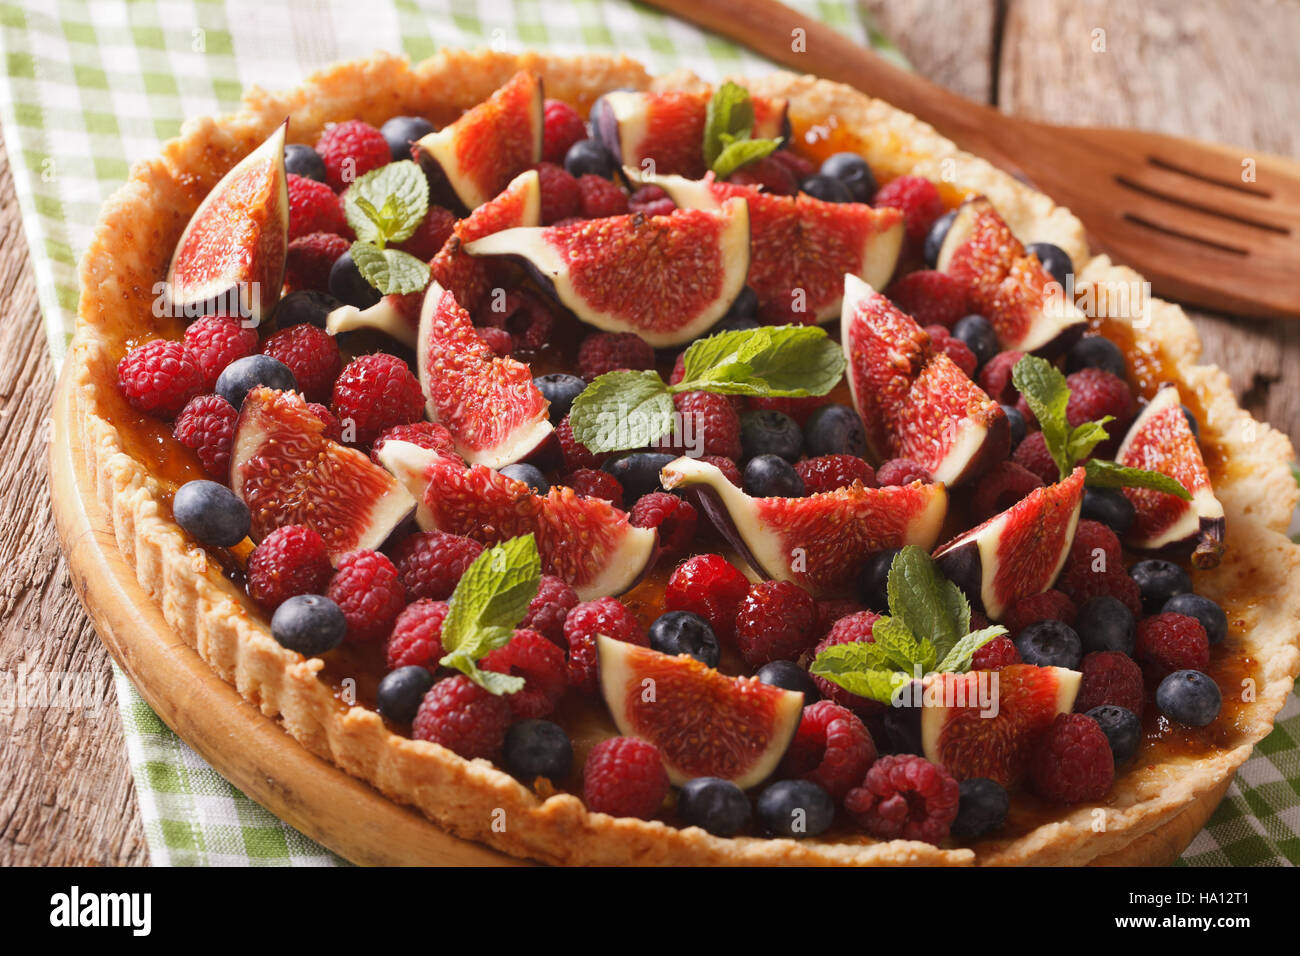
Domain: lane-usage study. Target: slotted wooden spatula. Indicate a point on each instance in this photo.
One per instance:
(1179, 211)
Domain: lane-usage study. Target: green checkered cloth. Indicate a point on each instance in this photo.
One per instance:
(89, 87)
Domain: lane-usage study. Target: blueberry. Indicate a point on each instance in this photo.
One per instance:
(770, 476)
(309, 624)
(769, 432)
(305, 307)
(211, 513)
(875, 580)
(982, 808)
(682, 632)
(559, 389)
(826, 188)
(1211, 616)
(589, 156)
(349, 286)
(538, 748)
(1159, 580)
(529, 475)
(790, 676)
(796, 808)
(301, 160)
(715, 805)
(401, 691)
(402, 131)
(243, 375)
(638, 472)
(935, 237)
(1105, 623)
(1110, 506)
(743, 306)
(1123, 730)
(1192, 423)
(1054, 260)
(1189, 697)
(741, 323)
(1017, 423)
(1096, 351)
(903, 730)
(1050, 644)
(852, 170)
(977, 332)
(835, 430)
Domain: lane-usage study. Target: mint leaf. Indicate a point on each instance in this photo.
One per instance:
(1107, 474)
(729, 117)
(742, 153)
(1047, 394)
(1085, 438)
(853, 667)
(622, 409)
(896, 643)
(387, 204)
(773, 361)
(930, 605)
(391, 271)
(959, 658)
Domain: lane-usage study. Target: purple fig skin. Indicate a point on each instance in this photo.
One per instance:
(1062, 343)
(707, 501)
(963, 567)
(548, 455)
(995, 448)
(604, 126)
(440, 191)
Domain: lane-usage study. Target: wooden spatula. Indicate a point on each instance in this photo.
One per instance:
(1181, 212)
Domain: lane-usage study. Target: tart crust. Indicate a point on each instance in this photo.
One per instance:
(129, 252)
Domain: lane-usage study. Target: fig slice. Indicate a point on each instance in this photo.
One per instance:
(979, 728)
(1160, 439)
(397, 316)
(914, 401)
(666, 278)
(802, 244)
(284, 468)
(489, 403)
(586, 541)
(1018, 552)
(488, 145)
(232, 253)
(822, 541)
(1028, 310)
(704, 723)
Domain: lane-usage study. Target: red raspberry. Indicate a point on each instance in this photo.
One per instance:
(1050, 605)
(710, 586)
(800, 409)
(775, 621)
(1033, 456)
(724, 465)
(995, 655)
(919, 201)
(785, 309)
(310, 259)
(651, 201)
(1001, 487)
(852, 629)
(207, 426)
(370, 594)
(799, 167)
(542, 666)
(526, 316)
(1096, 547)
(160, 377)
(1109, 677)
(554, 600)
(995, 377)
(576, 454)
(416, 638)
(311, 354)
(333, 428)
(377, 392)
(904, 796)
(830, 610)
(710, 422)
(832, 748)
(350, 150)
(955, 349)
(1022, 406)
(834, 471)
(673, 516)
(430, 235)
(313, 207)
(594, 483)
(463, 717)
(901, 471)
(289, 561)
(600, 198)
(560, 196)
(1072, 762)
(1083, 584)
(624, 777)
(931, 297)
(1171, 642)
(604, 352)
(217, 340)
(430, 563)
(1095, 392)
(774, 176)
(498, 340)
(562, 127)
(429, 435)
(606, 616)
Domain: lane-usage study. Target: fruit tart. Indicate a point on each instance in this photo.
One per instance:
(691, 474)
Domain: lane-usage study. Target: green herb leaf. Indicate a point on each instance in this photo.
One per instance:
(1047, 394)
(742, 153)
(896, 643)
(622, 409)
(1107, 474)
(930, 605)
(387, 204)
(391, 271)
(1085, 438)
(729, 117)
(853, 667)
(959, 658)
(774, 361)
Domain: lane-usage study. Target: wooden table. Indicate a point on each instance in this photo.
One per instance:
(1219, 70)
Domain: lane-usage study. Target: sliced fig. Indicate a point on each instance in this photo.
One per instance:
(233, 250)
(288, 472)
(1018, 552)
(704, 723)
(914, 401)
(1162, 440)
(666, 278)
(395, 315)
(978, 728)
(490, 144)
(586, 541)
(1009, 286)
(822, 541)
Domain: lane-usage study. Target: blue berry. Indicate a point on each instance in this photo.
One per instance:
(1189, 697)
(211, 513)
(835, 430)
(874, 587)
(826, 188)
(935, 237)
(1211, 616)
(302, 160)
(529, 475)
(537, 748)
(1123, 730)
(305, 307)
(1054, 260)
(1016, 421)
(310, 624)
(1110, 506)
(401, 691)
(796, 809)
(903, 730)
(638, 473)
(982, 808)
(589, 156)
(243, 375)
(790, 676)
(1105, 623)
(1159, 580)
(852, 170)
(1050, 644)
(769, 432)
(402, 131)
(349, 286)
(1096, 351)
(977, 332)
(682, 632)
(559, 389)
(770, 476)
(715, 805)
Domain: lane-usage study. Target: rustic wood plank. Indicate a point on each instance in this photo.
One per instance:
(952, 44)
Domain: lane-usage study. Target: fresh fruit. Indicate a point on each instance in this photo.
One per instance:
(955, 349)
(290, 561)
(460, 715)
(349, 286)
(254, 371)
(708, 585)
(684, 632)
(1110, 506)
(1190, 697)
(425, 434)
(775, 621)
(902, 471)
(1096, 351)
(592, 483)
(430, 563)
(530, 475)
(416, 636)
(714, 805)
(301, 160)
(305, 306)
(1033, 456)
(1105, 623)
(561, 199)
(603, 352)
(1096, 393)
(1109, 677)
(376, 392)
(1073, 761)
(704, 723)
(852, 170)
(350, 150)
(708, 424)
(559, 389)
(403, 132)
(796, 809)
(1161, 440)
(1054, 259)
(829, 472)
(210, 513)
(834, 430)
(540, 663)
(832, 748)
(982, 808)
(917, 198)
(311, 356)
(537, 748)
(313, 209)
(1018, 552)
(309, 624)
(825, 188)
(789, 676)
(589, 157)
(206, 425)
(1123, 730)
(310, 260)
(852, 629)
(820, 542)
(1171, 642)
(160, 377)
(935, 237)
(398, 696)
(996, 654)
(638, 472)
(671, 515)
(771, 476)
(233, 249)
(905, 797)
(1159, 580)
(370, 594)
(214, 341)
(873, 582)
(930, 297)
(769, 432)
(624, 777)
(1049, 605)
(1019, 426)
(1211, 615)
(1000, 488)
(563, 127)
(1049, 644)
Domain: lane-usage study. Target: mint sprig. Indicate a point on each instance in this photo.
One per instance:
(384, 206)
(728, 131)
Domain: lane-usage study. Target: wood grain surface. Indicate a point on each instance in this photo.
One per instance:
(1213, 69)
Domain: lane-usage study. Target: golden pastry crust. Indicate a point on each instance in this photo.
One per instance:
(129, 253)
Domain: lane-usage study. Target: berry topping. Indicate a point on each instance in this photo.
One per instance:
(1211, 616)
(309, 624)
(377, 392)
(599, 198)
(714, 805)
(638, 473)
(594, 483)
(289, 561)
(1049, 644)
(852, 170)
(954, 348)
(684, 632)
(996, 654)
(904, 796)
(350, 150)
(976, 333)
(403, 132)
(430, 235)
(834, 430)
(603, 352)
(562, 127)
(370, 594)
(828, 472)
(708, 585)
(560, 196)
(584, 622)
(211, 514)
(982, 808)
(995, 377)
(416, 638)
(463, 717)
(789, 676)
(901, 471)
(309, 261)
(1096, 351)
(559, 389)
(207, 426)
(709, 425)
(771, 476)
(769, 432)
(1083, 584)
(1123, 730)
(1159, 581)
(313, 208)
(832, 748)
(775, 621)
(554, 599)
(301, 160)
(429, 435)
(529, 475)
(1171, 642)
(1109, 677)
(624, 777)
(1073, 761)
(311, 354)
(1190, 697)
(430, 563)
(930, 297)
(160, 377)
(1105, 623)
(214, 341)
(243, 375)
(673, 516)
(540, 663)
(825, 188)
(851, 629)
(650, 201)
(590, 156)
(796, 809)
(1050, 605)
(1001, 487)
(537, 748)
(1095, 393)
(349, 286)
(399, 694)
(919, 201)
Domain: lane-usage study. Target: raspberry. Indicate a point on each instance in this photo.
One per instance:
(1171, 642)
(775, 622)
(799, 167)
(207, 426)
(1109, 677)
(851, 629)
(931, 297)
(832, 748)
(1072, 762)
(955, 349)
(905, 796)
(540, 663)
(525, 316)
(1033, 456)
(624, 777)
(289, 561)
(463, 717)
(350, 150)
(377, 392)
(160, 377)
(775, 177)
(995, 377)
(416, 638)
(311, 354)
(1050, 605)
(599, 198)
(830, 610)
(995, 655)
(1001, 487)
(711, 422)
(554, 600)
(430, 235)
(650, 201)
(785, 309)
(310, 259)
(1022, 406)
(800, 409)
(606, 616)
(560, 196)
(1096, 547)
(430, 563)
(594, 483)
(561, 128)
(429, 435)
(498, 340)
(1094, 392)
(217, 340)
(673, 516)
(834, 471)
(333, 428)
(901, 471)
(575, 453)
(1082, 584)
(366, 588)
(608, 351)
(313, 207)
(710, 586)
(919, 201)
(724, 465)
